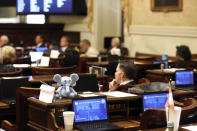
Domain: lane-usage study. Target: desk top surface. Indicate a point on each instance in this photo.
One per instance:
(181, 128)
(63, 102)
(165, 71)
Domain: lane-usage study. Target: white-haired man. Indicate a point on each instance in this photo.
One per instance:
(115, 47)
(4, 40)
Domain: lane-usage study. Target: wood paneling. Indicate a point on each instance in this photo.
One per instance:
(27, 32)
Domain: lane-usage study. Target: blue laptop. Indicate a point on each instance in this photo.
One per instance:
(156, 101)
(41, 49)
(185, 80)
(91, 114)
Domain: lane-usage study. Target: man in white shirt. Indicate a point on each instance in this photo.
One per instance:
(124, 75)
(39, 40)
(88, 49)
(115, 47)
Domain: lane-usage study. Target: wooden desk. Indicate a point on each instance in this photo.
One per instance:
(41, 115)
(180, 128)
(3, 105)
(157, 75)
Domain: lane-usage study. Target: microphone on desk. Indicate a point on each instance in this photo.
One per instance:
(173, 84)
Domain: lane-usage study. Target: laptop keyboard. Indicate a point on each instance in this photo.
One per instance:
(97, 125)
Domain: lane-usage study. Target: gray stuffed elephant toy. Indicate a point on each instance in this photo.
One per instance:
(65, 85)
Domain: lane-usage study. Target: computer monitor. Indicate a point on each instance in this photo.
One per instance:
(41, 49)
(156, 101)
(87, 82)
(184, 77)
(90, 109)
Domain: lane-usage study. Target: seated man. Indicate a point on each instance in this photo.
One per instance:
(64, 44)
(39, 39)
(115, 47)
(124, 75)
(72, 56)
(87, 48)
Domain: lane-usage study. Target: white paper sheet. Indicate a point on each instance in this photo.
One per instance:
(88, 95)
(46, 93)
(21, 65)
(35, 56)
(118, 94)
(190, 128)
(44, 61)
(54, 54)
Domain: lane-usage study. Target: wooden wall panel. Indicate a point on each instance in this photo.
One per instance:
(27, 32)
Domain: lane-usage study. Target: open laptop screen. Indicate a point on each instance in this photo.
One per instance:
(41, 49)
(92, 109)
(156, 101)
(184, 77)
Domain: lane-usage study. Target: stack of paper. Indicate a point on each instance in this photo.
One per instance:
(118, 94)
(190, 128)
(21, 65)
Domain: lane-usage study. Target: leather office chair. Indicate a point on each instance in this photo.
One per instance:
(155, 118)
(52, 71)
(22, 94)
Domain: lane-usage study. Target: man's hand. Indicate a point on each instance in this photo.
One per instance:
(113, 85)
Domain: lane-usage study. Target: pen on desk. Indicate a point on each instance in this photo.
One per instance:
(44, 83)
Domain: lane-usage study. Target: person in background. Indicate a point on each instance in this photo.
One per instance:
(183, 56)
(4, 41)
(8, 52)
(124, 75)
(87, 49)
(71, 56)
(115, 47)
(64, 44)
(52, 45)
(39, 39)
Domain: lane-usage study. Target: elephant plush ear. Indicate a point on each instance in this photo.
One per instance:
(74, 78)
(57, 78)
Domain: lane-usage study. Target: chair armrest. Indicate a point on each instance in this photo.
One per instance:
(6, 125)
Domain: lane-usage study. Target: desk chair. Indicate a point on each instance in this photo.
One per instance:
(155, 118)
(52, 71)
(22, 94)
(22, 60)
(18, 60)
(16, 73)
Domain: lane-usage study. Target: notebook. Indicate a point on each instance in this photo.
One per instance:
(91, 114)
(156, 101)
(185, 80)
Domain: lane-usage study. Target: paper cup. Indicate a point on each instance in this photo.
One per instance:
(68, 119)
(174, 117)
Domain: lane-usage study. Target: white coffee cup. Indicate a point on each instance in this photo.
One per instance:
(68, 119)
(174, 116)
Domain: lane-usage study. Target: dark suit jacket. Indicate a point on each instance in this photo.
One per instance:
(124, 88)
(71, 58)
(42, 45)
(181, 64)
